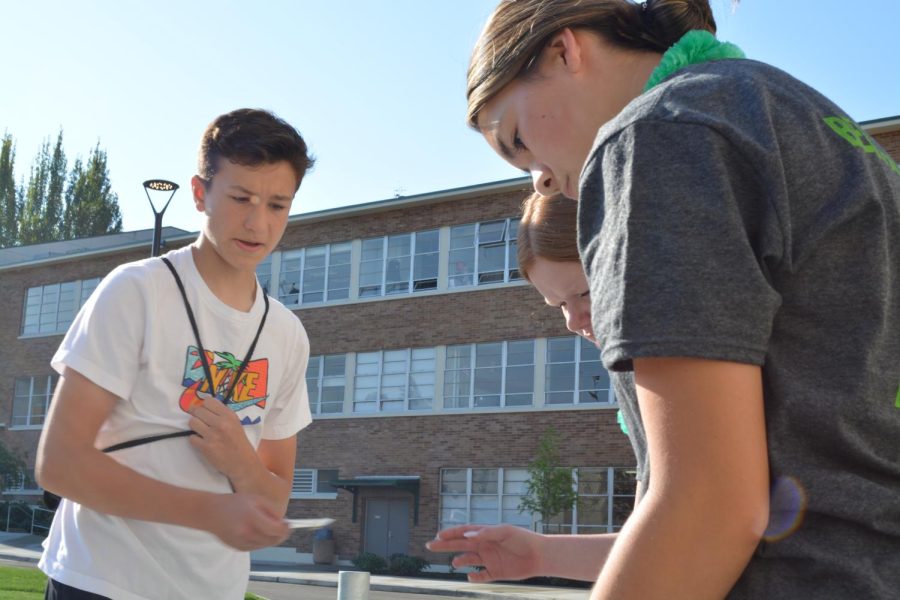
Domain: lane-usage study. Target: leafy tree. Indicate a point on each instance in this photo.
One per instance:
(550, 488)
(12, 465)
(32, 214)
(51, 222)
(9, 230)
(92, 208)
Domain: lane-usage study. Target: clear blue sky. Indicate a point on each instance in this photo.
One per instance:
(376, 87)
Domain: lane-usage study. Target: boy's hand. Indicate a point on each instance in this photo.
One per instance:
(245, 522)
(220, 438)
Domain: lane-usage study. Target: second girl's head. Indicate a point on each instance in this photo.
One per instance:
(546, 74)
(548, 258)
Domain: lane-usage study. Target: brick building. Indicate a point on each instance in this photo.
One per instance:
(434, 368)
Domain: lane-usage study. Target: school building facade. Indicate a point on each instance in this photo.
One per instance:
(434, 370)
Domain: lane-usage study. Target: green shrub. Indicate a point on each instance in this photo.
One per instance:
(370, 562)
(401, 564)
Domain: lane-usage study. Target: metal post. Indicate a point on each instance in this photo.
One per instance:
(157, 234)
(353, 585)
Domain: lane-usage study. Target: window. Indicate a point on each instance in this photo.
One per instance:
(483, 496)
(482, 253)
(51, 308)
(605, 500)
(315, 274)
(493, 374)
(31, 400)
(23, 483)
(399, 264)
(325, 383)
(574, 374)
(314, 483)
(264, 274)
(394, 380)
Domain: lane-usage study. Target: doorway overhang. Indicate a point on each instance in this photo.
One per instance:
(406, 483)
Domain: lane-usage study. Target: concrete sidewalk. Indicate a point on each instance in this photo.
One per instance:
(27, 549)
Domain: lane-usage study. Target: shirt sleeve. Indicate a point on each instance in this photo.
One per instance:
(290, 413)
(673, 234)
(105, 340)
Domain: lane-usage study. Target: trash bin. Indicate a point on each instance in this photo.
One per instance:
(323, 546)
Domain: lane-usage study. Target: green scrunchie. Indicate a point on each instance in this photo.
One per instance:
(694, 47)
(621, 422)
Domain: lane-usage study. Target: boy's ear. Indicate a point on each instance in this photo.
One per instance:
(565, 49)
(198, 192)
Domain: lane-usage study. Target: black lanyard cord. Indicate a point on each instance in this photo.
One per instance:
(206, 368)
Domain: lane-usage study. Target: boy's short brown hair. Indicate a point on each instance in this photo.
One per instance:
(251, 137)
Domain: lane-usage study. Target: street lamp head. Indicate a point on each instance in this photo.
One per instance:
(160, 185)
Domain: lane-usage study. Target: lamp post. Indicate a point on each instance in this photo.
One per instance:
(158, 185)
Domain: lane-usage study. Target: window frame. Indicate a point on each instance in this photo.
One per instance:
(299, 276)
(380, 375)
(508, 238)
(40, 310)
(315, 404)
(313, 477)
(578, 363)
(51, 381)
(473, 369)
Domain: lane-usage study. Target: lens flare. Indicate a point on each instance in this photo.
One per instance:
(787, 507)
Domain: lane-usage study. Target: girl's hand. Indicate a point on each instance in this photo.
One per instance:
(504, 551)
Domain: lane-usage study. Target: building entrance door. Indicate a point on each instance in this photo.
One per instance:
(387, 526)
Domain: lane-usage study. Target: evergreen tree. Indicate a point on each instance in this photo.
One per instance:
(9, 230)
(31, 222)
(92, 208)
(51, 223)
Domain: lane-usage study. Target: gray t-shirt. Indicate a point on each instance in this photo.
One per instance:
(733, 213)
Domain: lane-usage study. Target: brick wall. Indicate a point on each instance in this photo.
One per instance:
(890, 142)
(423, 445)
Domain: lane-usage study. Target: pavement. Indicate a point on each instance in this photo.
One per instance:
(26, 548)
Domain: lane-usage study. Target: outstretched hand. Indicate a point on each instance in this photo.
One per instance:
(504, 552)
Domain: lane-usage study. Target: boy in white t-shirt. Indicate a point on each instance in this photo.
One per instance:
(176, 518)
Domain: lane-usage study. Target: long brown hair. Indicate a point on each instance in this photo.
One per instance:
(518, 31)
(547, 230)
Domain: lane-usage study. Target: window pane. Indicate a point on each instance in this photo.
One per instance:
(592, 481)
(622, 507)
(324, 476)
(519, 399)
(560, 377)
(561, 349)
(491, 232)
(334, 365)
(487, 381)
(520, 353)
(484, 481)
(624, 482)
(593, 510)
(520, 380)
(332, 399)
(453, 481)
(488, 355)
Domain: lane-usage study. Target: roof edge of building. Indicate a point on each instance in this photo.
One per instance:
(883, 125)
